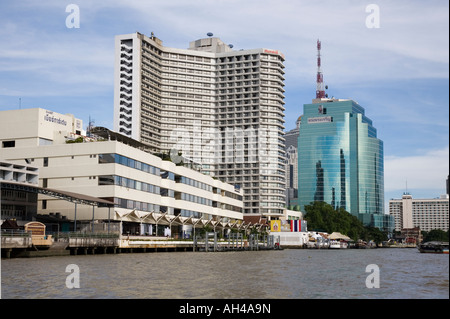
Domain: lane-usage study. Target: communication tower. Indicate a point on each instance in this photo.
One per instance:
(320, 90)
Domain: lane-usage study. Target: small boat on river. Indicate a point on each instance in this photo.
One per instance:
(436, 247)
(338, 244)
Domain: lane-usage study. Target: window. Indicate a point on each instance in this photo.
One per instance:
(43, 141)
(7, 144)
(164, 192)
(106, 180)
(167, 175)
(106, 158)
(45, 161)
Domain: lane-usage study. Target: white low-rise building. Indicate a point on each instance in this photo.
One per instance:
(36, 126)
(144, 187)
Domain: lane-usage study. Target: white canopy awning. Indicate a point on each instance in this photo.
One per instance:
(337, 235)
(166, 219)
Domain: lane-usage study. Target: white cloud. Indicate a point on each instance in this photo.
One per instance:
(49, 63)
(419, 172)
(412, 41)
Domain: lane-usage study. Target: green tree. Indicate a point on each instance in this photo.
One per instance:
(314, 216)
(356, 228)
(322, 216)
(375, 234)
(436, 235)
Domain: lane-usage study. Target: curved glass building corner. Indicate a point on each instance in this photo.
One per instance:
(340, 160)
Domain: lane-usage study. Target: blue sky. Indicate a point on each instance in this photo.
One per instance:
(398, 72)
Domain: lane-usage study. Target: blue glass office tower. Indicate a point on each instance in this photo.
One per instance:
(340, 161)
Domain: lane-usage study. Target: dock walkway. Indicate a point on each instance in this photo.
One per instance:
(87, 243)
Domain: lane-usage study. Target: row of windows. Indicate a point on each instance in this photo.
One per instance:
(232, 208)
(237, 58)
(203, 59)
(194, 183)
(188, 77)
(193, 198)
(431, 212)
(123, 160)
(122, 181)
(129, 183)
(132, 204)
(145, 187)
(17, 195)
(185, 57)
(189, 65)
(199, 116)
(7, 213)
(186, 70)
(232, 195)
(189, 213)
(115, 158)
(187, 83)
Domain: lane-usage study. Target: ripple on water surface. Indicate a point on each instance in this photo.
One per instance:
(296, 274)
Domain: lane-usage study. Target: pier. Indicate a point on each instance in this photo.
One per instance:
(19, 244)
(13, 241)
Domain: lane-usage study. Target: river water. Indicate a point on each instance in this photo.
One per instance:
(291, 273)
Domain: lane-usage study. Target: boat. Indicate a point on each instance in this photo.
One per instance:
(436, 247)
(338, 241)
(360, 244)
(338, 244)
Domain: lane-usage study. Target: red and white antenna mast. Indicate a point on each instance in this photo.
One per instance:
(320, 91)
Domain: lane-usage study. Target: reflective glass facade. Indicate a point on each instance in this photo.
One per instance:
(340, 160)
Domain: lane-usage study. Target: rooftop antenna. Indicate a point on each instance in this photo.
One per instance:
(320, 91)
(406, 191)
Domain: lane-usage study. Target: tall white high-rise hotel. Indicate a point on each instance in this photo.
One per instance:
(222, 108)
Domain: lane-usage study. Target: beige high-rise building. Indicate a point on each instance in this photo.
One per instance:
(223, 109)
(427, 214)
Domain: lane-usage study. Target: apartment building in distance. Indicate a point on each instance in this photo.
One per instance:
(223, 109)
(427, 214)
(292, 164)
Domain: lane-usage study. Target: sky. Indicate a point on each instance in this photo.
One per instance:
(392, 58)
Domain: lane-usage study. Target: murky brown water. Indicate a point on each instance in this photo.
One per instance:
(292, 274)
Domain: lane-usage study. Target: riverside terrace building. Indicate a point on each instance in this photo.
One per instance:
(223, 108)
(145, 189)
